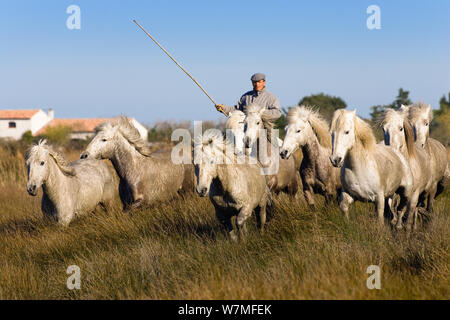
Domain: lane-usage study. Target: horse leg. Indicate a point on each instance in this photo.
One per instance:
(299, 184)
(292, 188)
(412, 211)
(379, 203)
(401, 209)
(431, 195)
(136, 204)
(225, 220)
(241, 218)
(328, 197)
(389, 208)
(338, 196)
(65, 216)
(346, 200)
(309, 195)
(422, 198)
(260, 212)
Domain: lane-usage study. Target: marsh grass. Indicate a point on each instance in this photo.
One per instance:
(178, 250)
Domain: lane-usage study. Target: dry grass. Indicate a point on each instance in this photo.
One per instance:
(179, 251)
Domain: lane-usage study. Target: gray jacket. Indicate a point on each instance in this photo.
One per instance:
(263, 98)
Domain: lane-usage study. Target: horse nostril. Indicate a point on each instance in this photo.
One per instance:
(31, 189)
(83, 155)
(283, 154)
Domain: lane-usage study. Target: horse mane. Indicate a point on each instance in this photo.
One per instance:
(387, 117)
(417, 109)
(214, 138)
(409, 137)
(318, 124)
(132, 135)
(60, 161)
(363, 130)
(103, 127)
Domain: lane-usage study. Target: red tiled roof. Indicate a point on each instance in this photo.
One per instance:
(77, 125)
(17, 114)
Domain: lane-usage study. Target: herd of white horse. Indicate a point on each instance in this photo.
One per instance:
(400, 175)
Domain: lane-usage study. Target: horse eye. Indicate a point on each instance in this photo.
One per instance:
(298, 131)
(426, 124)
(257, 123)
(104, 140)
(42, 163)
(347, 132)
(401, 129)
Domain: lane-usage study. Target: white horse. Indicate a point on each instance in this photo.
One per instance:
(236, 125)
(145, 177)
(233, 188)
(420, 115)
(69, 190)
(398, 134)
(282, 174)
(307, 130)
(369, 171)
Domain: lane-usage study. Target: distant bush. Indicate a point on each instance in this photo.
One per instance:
(325, 103)
(58, 134)
(28, 137)
(162, 131)
(77, 144)
(441, 128)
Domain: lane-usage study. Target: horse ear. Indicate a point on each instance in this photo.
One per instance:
(429, 107)
(354, 112)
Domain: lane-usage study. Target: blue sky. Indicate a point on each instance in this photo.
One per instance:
(110, 67)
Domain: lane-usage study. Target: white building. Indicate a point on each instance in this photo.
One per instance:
(14, 123)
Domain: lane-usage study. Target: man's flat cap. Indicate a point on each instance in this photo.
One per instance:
(258, 76)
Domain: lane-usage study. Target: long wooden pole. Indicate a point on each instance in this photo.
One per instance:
(176, 62)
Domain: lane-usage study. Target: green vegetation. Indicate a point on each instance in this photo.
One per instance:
(58, 134)
(402, 98)
(325, 103)
(440, 126)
